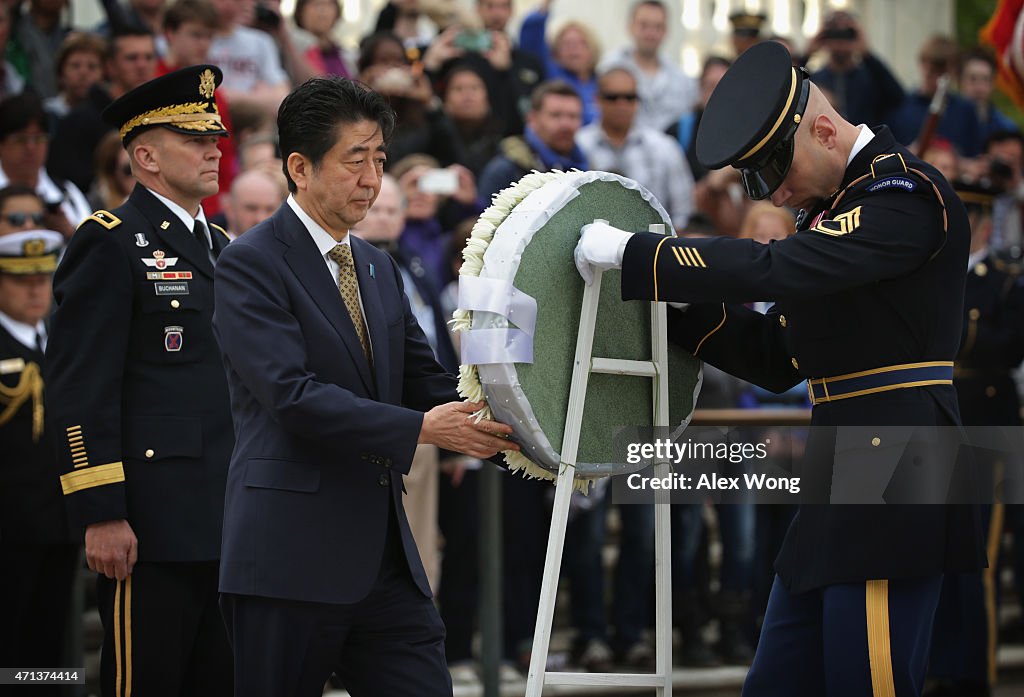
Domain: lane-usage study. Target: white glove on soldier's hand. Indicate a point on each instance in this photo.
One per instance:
(601, 246)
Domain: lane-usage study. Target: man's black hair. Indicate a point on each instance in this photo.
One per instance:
(309, 118)
(21, 111)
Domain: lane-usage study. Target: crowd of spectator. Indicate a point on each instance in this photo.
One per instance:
(477, 109)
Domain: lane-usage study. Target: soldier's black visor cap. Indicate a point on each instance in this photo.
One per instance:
(752, 117)
(763, 177)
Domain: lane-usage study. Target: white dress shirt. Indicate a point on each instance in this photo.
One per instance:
(24, 333)
(325, 243)
(186, 218)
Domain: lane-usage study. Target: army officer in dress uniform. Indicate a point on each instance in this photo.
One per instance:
(963, 657)
(139, 399)
(868, 296)
(35, 543)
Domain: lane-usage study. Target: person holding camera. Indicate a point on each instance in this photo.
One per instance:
(864, 88)
(422, 127)
(1001, 164)
(510, 74)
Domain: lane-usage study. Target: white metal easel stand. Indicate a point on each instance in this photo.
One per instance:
(584, 365)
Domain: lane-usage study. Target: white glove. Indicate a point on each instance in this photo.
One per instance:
(601, 246)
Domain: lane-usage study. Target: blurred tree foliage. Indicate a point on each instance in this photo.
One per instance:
(971, 16)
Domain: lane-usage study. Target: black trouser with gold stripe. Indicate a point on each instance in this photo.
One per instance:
(163, 635)
(867, 639)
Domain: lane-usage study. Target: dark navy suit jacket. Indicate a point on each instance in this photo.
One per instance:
(322, 440)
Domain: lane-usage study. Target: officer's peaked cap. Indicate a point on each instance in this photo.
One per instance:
(30, 252)
(752, 116)
(181, 101)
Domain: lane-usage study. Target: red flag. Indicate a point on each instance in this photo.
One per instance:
(1005, 33)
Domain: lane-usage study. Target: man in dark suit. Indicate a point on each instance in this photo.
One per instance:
(40, 555)
(138, 397)
(332, 386)
(868, 296)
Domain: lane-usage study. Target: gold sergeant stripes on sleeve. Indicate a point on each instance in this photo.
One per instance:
(76, 442)
(100, 475)
(695, 260)
(688, 256)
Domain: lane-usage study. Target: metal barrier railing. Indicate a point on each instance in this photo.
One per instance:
(773, 416)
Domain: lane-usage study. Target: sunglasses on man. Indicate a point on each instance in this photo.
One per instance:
(619, 96)
(19, 219)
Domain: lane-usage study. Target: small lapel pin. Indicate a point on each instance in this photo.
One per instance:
(372, 272)
(140, 240)
(164, 225)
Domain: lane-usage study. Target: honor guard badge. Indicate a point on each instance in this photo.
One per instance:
(173, 339)
(160, 260)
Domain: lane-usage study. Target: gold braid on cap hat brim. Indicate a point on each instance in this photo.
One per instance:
(192, 115)
(28, 265)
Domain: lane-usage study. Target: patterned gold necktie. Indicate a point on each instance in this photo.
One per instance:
(341, 254)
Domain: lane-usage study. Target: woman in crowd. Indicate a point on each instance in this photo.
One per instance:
(764, 223)
(572, 55)
(319, 18)
(422, 126)
(114, 180)
(467, 105)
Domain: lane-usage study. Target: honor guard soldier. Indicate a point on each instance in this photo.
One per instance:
(39, 552)
(993, 324)
(746, 29)
(963, 657)
(139, 397)
(868, 296)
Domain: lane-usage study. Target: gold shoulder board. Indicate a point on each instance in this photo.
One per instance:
(104, 218)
